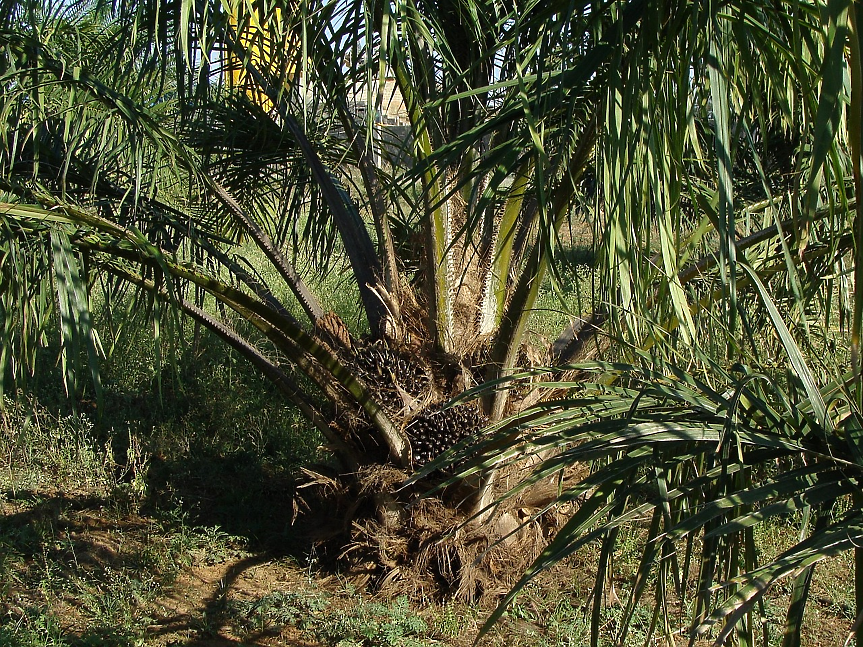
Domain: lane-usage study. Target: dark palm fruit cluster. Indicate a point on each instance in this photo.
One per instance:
(382, 368)
(435, 430)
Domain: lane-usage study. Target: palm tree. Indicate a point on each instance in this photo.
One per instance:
(195, 164)
(130, 160)
(712, 430)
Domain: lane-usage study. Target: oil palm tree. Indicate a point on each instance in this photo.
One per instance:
(717, 425)
(706, 147)
(166, 157)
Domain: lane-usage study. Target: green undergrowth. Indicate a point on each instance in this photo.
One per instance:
(191, 464)
(367, 623)
(93, 547)
(93, 543)
(88, 558)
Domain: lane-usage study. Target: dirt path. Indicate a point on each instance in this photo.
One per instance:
(197, 609)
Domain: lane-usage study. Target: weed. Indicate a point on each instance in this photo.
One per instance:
(111, 597)
(174, 545)
(567, 625)
(34, 627)
(214, 546)
(372, 624)
(41, 449)
(360, 624)
(10, 564)
(275, 611)
(452, 621)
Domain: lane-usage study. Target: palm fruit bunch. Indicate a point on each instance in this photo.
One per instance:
(435, 430)
(391, 375)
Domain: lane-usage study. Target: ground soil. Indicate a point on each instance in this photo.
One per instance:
(201, 601)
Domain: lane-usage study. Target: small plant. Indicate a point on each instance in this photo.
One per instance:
(185, 544)
(34, 627)
(372, 624)
(275, 611)
(110, 597)
(212, 545)
(567, 625)
(41, 449)
(451, 621)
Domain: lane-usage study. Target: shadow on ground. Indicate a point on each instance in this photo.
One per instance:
(113, 569)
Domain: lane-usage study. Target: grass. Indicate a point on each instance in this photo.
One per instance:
(168, 518)
(40, 449)
(182, 489)
(557, 301)
(86, 559)
(93, 553)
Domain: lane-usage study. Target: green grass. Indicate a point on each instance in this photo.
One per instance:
(90, 550)
(191, 465)
(365, 624)
(89, 545)
(79, 565)
(40, 449)
(559, 301)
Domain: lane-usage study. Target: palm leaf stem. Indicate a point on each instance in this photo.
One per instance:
(707, 263)
(164, 139)
(508, 338)
(495, 284)
(202, 241)
(354, 235)
(435, 222)
(855, 135)
(271, 370)
(301, 348)
(575, 338)
(260, 290)
(841, 244)
(571, 345)
(306, 298)
(373, 188)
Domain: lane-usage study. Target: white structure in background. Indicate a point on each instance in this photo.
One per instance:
(393, 111)
(390, 118)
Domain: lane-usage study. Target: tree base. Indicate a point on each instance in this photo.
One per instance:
(396, 542)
